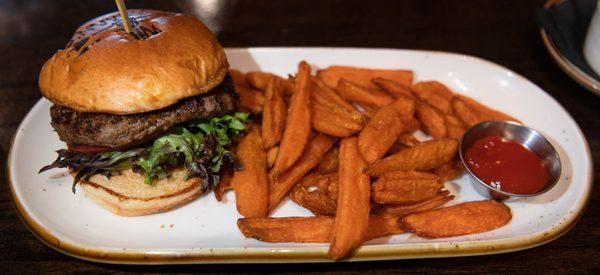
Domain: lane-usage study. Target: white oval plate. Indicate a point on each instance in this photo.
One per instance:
(205, 230)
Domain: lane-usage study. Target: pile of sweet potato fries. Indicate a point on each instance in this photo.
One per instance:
(341, 144)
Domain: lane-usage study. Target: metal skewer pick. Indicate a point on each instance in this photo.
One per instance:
(125, 18)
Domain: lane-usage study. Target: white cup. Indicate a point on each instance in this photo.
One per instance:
(591, 47)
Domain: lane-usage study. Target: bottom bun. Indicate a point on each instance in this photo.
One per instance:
(127, 195)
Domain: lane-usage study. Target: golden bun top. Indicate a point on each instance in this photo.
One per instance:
(103, 69)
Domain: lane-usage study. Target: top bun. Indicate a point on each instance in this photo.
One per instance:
(103, 69)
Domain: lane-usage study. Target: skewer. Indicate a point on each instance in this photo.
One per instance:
(125, 18)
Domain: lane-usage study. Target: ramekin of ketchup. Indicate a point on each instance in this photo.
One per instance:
(510, 159)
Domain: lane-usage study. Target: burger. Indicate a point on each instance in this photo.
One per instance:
(148, 116)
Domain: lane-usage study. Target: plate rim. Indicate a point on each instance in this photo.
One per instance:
(301, 254)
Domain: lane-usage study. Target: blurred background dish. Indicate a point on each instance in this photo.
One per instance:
(563, 33)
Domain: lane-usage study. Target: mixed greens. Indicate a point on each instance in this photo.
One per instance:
(201, 145)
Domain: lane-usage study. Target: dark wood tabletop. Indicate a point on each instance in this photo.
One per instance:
(503, 32)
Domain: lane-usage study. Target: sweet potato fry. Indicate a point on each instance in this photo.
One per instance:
(450, 170)
(239, 78)
(318, 200)
(383, 129)
(425, 89)
(224, 184)
(407, 209)
(330, 161)
(435, 94)
(362, 76)
(353, 207)
(316, 148)
(274, 113)
(251, 100)
(311, 229)
(309, 180)
(288, 229)
(384, 225)
(354, 92)
(454, 127)
(260, 80)
(396, 89)
(464, 113)
(298, 124)
(402, 191)
(271, 155)
(408, 140)
(465, 218)
(409, 174)
(324, 92)
(251, 185)
(431, 119)
(412, 124)
(368, 110)
(424, 156)
(483, 112)
(325, 121)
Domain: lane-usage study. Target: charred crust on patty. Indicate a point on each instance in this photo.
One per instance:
(122, 131)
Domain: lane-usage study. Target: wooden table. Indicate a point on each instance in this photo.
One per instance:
(500, 31)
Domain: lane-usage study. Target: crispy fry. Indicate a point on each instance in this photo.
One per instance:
(424, 156)
(325, 121)
(330, 161)
(288, 229)
(383, 129)
(239, 78)
(316, 148)
(362, 76)
(402, 191)
(397, 147)
(409, 174)
(271, 155)
(298, 124)
(311, 229)
(323, 101)
(450, 170)
(260, 80)
(224, 184)
(368, 110)
(432, 120)
(484, 112)
(454, 127)
(465, 218)
(324, 92)
(251, 185)
(384, 225)
(396, 89)
(318, 200)
(464, 113)
(425, 89)
(407, 139)
(251, 100)
(352, 213)
(354, 92)
(435, 94)
(412, 124)
(274, 113)
(407, 209)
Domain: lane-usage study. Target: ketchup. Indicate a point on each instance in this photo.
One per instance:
(506, 165)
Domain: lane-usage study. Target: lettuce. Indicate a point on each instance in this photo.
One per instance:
(201, 145)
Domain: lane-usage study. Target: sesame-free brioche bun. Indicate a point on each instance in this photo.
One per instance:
(103, 69)
(127, 195)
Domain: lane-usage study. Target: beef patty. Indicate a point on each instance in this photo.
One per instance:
(120, 131)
